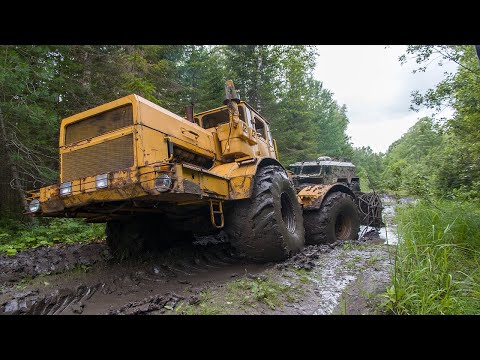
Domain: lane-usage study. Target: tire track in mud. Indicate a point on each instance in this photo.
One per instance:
(178, 267)
(159, 282)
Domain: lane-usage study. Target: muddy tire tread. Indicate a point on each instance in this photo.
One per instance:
(318, 223)
(253, 226)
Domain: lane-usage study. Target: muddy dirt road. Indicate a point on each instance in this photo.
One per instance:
(201, 279)
(205, 277)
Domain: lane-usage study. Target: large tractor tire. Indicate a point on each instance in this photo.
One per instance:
(337, 219)
(269, 225)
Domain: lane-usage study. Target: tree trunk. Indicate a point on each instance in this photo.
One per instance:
(11, 197)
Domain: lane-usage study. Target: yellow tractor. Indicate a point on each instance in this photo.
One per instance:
(155, 177)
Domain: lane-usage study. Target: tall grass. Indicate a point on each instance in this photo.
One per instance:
(437, 260)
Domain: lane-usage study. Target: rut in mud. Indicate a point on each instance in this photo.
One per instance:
(181, 277)
(205, 277)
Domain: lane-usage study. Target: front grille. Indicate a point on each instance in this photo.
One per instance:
(99, 124)
(98, 159)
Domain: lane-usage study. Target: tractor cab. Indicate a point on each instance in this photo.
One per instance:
(247, 134)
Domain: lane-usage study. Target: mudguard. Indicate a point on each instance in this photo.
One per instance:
(311, 197)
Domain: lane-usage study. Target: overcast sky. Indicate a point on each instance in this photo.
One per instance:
(376, 89)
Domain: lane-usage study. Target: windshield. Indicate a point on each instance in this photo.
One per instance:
(295, 169)
(308, 170)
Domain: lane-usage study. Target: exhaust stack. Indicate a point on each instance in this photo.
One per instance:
(189, 112)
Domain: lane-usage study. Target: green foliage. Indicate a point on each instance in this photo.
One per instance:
(437, 260)
(455, 164)
(17, 236)
(409, 163)
(370, 167)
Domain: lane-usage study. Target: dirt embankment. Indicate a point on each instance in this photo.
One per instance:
(205, 277)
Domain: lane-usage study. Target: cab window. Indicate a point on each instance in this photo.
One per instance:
(295, 169)
(241, 114)
(260, 127)
(308, 170)
(215, 119)
(249, 117)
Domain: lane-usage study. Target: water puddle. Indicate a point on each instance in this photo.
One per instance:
(331, 287)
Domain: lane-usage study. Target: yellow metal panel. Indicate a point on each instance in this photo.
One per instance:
(213, 185)
(162, 120)
(311, 196)
(99, 124)
(151, 146)
(130, 99)
(241, 178)
(186, 145)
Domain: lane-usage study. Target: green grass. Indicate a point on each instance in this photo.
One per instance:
(251, 291)
(17, 236)
(437, 261)
(303, 275)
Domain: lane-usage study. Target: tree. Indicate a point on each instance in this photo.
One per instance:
(459, 169)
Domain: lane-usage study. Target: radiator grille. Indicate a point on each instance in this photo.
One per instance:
(99, 124)
(98, 159)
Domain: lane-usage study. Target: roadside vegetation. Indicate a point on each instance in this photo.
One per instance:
(438, 256)
(16, 235)
(437, 265)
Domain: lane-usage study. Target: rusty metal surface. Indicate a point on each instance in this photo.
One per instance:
(312, 196)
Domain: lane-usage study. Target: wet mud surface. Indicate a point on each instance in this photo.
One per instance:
(206, 277)
(198, 278)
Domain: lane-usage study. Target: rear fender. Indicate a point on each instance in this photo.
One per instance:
(311, 197)
(242, 175)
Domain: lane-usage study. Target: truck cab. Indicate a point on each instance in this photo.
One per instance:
(324, 171)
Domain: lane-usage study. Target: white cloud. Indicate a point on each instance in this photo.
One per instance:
(376, 89)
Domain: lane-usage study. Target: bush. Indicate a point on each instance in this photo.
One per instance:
(16, 235)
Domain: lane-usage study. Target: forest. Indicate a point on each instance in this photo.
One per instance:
(437, 161)
(40, 85)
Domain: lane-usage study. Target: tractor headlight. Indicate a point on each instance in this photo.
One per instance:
(66, 188)
(34, 205)
(163, 183)
(101, 181)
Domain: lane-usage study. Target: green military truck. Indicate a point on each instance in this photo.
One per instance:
(324, 170)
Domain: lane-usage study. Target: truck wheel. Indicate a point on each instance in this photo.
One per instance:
(355, 186)
(337, 219)
(269, 225)
(124, 239)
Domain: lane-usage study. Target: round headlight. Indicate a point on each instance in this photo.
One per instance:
(34, 205)
(163, 183)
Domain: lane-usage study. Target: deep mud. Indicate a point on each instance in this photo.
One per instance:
(178, 280)
(206, 277)
(50, 260)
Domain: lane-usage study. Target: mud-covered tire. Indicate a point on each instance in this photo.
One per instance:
(355, 186)
(125, 239)
(269, 225)
(337, 219)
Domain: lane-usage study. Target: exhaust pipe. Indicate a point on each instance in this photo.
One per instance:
(189, 112)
